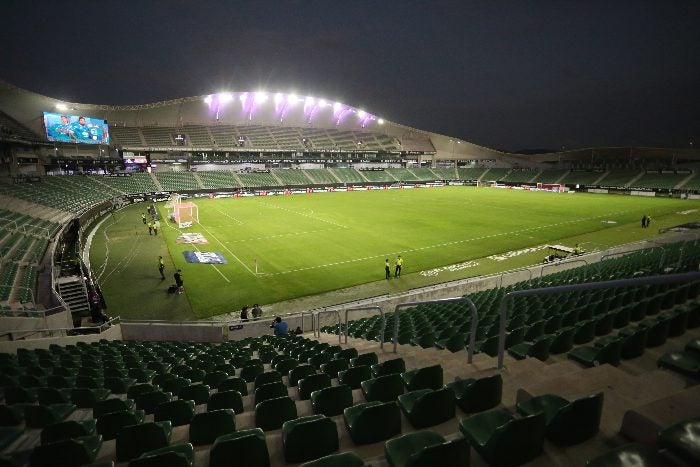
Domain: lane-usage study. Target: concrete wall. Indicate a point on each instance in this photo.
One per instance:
(112, 333)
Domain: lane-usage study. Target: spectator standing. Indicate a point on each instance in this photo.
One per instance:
(179, 283)
(387, 269)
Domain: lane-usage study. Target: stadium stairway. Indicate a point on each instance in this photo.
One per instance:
(155, 181)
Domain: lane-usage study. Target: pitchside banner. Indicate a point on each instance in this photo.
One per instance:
(203, 257)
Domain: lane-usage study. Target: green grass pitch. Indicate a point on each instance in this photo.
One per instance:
(303, 245)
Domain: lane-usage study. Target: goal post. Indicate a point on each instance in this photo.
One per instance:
(184, 214)
(556, 187)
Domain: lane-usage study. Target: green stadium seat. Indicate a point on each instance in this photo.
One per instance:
(567, 422)
(633, 341)
(346, 354)
(140, 388)
(272, 413)
(86, 398)
(332, 367)
(212, 379)
(197, 392)
(477, 395)
(345, 459)
(299, 372)
(267, 378)
(270, 391)
(176, 455)
(110, 424)
(71, 452)
(19, 395)
(250, 372)
(683, 440)
(313, 383)
(39, 416)
(178, 412)
(114, 404)
(230, 399)
(426, 449)
(134, 440)
(428, 407)
(429, 377)
(388, 367)
(117, 385)
(593, 356)
(284, 366)
(51, 395)
(373, 421)
(563, 340)
(206, 427)
(383, 388)
(248, 447)
(538, 349)
(8, 435)
(632, 455)
(353, 376)
(331, 401)
(234, 383)
(149, 400)
(309, 438)
(502, 439)
(69, 429)
(319, 359)
(369, 359)
(684, 363)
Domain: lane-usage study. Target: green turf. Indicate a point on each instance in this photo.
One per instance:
(307, 244)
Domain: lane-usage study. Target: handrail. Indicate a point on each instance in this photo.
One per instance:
(668, 278)
(69, 331)
(381, 314)
(475, 320)
(317, 331)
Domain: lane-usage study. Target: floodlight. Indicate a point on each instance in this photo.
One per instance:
(380, 121)
(337, 106)
(243, 97)
(260, 97)
(208, 100)
(278, 98)
(361, 113)
(322, 102)
(61, 107)
(309, 100)
(225, 97)
(292, 98)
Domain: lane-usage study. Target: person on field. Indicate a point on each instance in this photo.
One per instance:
(155, 228)
(143, 218)
(179, 283)
(150, 228)
(161, 267)
(387, 269)
(399, 264)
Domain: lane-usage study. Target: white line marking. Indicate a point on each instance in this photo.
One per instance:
(227, 249)
(310, 216)
(234, 219)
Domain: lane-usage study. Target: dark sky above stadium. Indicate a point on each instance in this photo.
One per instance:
(504, 74)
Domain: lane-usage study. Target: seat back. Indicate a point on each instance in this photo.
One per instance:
(313, 383)
(134, 440)
(206, 427)
(270, 391)
(433, 408)
(518, 441)
(272, 413)
(576, 422)
(540, 348)
(610, 353)
(388, 367)
(449, 453)
(230, 399)
(383, 388)
(563, 341)
(309, 438)
(268, 377)
(178, 412)
(299, 372)
(109, 425)
(375, 422)
(353, 376)
(331, 401)
(198, 392)
(369, 359)
(234, 383)
(430, 377)
(247, 447)
(483, 394)
(332, 367)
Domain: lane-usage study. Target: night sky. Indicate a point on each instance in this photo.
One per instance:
(503, 74)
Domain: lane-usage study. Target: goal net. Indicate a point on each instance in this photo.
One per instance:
(184, 214)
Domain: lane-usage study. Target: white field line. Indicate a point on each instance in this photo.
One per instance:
(292, 234)
(310, 216)
(234, 219)
(229, 251)
(455, 242)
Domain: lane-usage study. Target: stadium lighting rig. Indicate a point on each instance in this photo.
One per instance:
(313, 108)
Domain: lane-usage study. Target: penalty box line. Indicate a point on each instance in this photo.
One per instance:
(229, 251)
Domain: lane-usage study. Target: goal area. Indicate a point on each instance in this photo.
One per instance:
(184, 214)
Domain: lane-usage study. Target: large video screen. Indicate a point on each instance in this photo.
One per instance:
(75, 129)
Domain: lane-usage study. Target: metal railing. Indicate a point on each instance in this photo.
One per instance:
(366, 308)
(317, 330)
(561, 263)
(527, 269)
(63, 332)
(470, 304)
(666, 279)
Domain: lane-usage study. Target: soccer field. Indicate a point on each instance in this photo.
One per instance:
(283, 247)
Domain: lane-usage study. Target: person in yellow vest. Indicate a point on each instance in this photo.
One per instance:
(150, 228)
(143, 218)
(397, 269)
